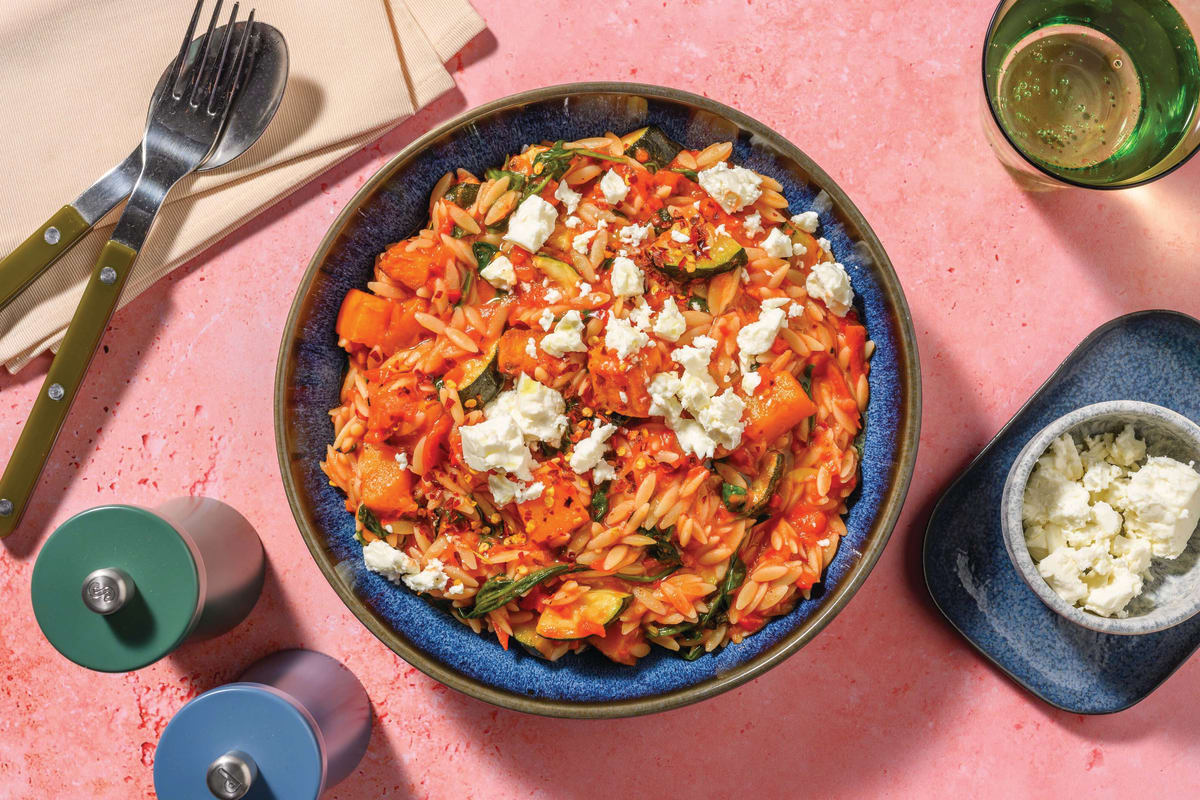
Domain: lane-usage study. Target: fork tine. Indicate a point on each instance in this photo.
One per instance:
(201, 65)
(183, 49)
(231, 80)
(223, 61)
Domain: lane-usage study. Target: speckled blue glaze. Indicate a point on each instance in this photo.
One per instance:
(397, 210)
(1152, 356)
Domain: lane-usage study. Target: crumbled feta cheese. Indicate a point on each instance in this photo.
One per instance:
(757, 337)
(381, 557)
(750, 382)
(398, 567)
(624, 339)
(633, 235)
(1093, 519)
(777, 244)
(806, 221)
(825, 245)
(505, 491)
(774, 302)
(822, 543)
(829, 283)
(497, 443)
(432, 578)
(402, 459)
(697, 386)
(603, 472)
(1166, 495)
(626, 277)
(590, 451)
(567, 196)
(670, 324)
(722, 419)
(601, 224)
(585, 288)
(531, 224)
(752, 224)
(580, 244)
(679, 236)
(639, 315)
(530, 348)
(499, 273)
(733, 188)
(456, 590)
(567, 336)
(720, 231)
(693, 438)
(572, 222)
(536, 409)
(553, 295)
(613, 188)
(798, 249)
(795, 310)
(546, 319)
(663, 390)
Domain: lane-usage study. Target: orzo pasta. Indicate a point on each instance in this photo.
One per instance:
(610, 396)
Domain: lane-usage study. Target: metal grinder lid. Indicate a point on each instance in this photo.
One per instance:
(115, 588)
(262, 726)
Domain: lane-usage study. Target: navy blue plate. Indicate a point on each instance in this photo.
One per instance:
(1152, 356)
(392, 206)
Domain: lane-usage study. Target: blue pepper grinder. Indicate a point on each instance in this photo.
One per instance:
(295, 723)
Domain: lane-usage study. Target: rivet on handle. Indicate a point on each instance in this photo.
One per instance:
(6, 507)
(107, 590)
(56, 391)
(52, 235)
(230, 775)
(108, 276)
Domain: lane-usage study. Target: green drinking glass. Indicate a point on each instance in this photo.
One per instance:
(1102, 94)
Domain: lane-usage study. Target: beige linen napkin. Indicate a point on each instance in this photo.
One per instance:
(76, 83)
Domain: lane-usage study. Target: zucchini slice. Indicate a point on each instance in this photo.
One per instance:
(526, 633)
(754, 501)
(560, 271)
(684, 263)
(462, 194)
(481, 379)
(584, 617)
(660, 149)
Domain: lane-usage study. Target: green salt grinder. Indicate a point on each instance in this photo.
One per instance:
(116, 588)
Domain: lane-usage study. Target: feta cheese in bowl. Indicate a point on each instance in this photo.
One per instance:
(1099, 512)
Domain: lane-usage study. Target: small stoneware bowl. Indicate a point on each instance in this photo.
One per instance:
(1172, 590)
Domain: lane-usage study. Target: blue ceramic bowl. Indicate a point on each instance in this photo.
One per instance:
(392, 206)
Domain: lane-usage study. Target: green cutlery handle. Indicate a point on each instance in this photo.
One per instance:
(63, 382)
(39, 251)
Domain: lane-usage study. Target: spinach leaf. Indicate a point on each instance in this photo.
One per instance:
(648, 578)
(600, 502)
(692, 653)
(515, 179)
(690, 174)
(734, 575)
(468, 282)
(670, 630)
(728, 492)
(663, 549)
(371, 522)
(806, 380)
(697, 302)
(498, 590)
(484, 253)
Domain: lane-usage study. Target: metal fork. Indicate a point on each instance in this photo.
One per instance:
(184, 123)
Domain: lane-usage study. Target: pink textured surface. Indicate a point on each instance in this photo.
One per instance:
(888, 701)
